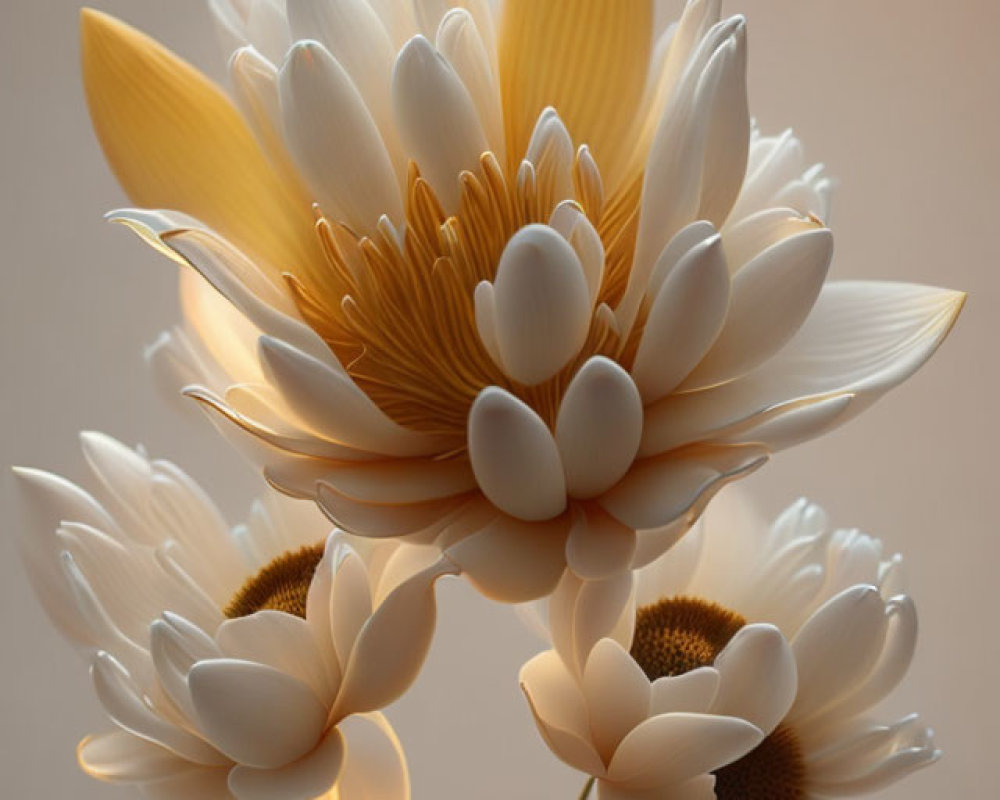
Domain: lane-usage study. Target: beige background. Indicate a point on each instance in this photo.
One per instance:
(900, 99)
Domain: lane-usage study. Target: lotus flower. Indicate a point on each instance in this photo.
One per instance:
(248, 663)
(523, 283)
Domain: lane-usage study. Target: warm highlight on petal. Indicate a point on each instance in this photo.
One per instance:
(588, 59)
(174, 140)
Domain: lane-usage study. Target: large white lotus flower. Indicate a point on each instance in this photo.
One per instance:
(554, 292)
(709, 637)
(246, 663)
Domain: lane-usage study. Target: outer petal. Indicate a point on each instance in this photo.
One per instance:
(121, 756)
(305, 779)
(174, 140)
(513, 561)
(758, 677)
(658, 491)
(617, 694)
(582, 64)
(375, 765)
(514, 457)
(255, 714)
(673, 748)
(392, 645)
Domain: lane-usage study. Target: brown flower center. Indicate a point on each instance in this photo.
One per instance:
(282, 585)
(679, 634)
(774, 770)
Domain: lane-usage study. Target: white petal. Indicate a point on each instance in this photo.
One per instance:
(402, 481)
(658, 491)
(771, 298)
(758, 677)
(124, 703)
(672, 748)
(437, 119)
(617, 694)
(837, 647)
(513, 561)
(542, 304)
(598, 427)
(486, 320)
(750, 237)
(462, 44)
(571, 746)
(355, 37)
(375, 767)
(556, 695)
(305, 779)
(684, 320)
(350, 601)
(334, 140)
(277, 640)
(861, 337)
(204, 783)
(514, 457)
(550, 152)
(692, 691)
(333, 403)
(121, 756)
(392, 645)
(671, 196)
(728, 131)
(369, 519)
(175, 646)
(255, 714)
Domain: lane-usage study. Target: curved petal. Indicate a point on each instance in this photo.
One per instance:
(758, 678)
(375, 764)
(256, 715)
(333, 404)
(513, 561)
(673, 748)
(335, 141)
(836, 647)
(692, 691)
(658, 491)
(686, 316)
(174, 140)
(305, 779)
(402, 481)
(392, 644)
(437, 119)
(771, 298)
(598, 427)
(121, 756)
(514, 457)
(542, 304)
(617, 694)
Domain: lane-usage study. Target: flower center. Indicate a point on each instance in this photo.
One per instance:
(679, 634)
(398, 311)
(282, 585)
(774, 770)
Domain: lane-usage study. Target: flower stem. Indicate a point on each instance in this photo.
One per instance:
(586, 789)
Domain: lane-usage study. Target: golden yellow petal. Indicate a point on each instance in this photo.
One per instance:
(174, 140)
(586, 58)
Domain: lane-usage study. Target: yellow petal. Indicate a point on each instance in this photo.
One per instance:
(174, 140)
(588, 59)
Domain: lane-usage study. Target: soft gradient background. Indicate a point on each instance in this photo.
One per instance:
(898, 97)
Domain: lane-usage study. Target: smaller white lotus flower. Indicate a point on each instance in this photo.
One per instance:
(247, 663)
(750, 653)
